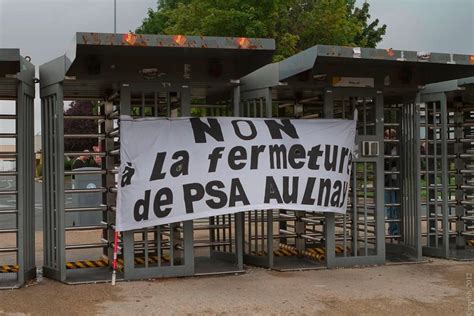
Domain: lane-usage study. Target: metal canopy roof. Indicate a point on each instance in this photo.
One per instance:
(9, 61)
(392, 71)
(98, 61)
(462, 87)
(447, 86)
(13, 67)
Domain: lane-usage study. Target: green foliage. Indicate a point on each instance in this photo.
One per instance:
(67, 164)
(295, 24)
(84, 126)
(369, 34)
(197, 112)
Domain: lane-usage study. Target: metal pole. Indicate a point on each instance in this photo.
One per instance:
(330, 228)
(115, 16)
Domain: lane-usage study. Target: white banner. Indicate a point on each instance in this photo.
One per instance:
(181, 169)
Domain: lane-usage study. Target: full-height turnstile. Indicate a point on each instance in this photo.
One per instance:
(383, 217)
(447, 160)
(17, 170)
(140, 76)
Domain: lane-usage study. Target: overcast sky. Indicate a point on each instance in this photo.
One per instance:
(428, 25)
(43, 29)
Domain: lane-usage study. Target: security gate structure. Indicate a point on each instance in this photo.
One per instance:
(288, 240)
(140, 76)
(203, 246)
(447, 155)
(331, 82)
(17, 169)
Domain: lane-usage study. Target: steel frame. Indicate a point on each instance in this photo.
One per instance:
(182, 243)
(376, 255)
(449, 219)
(88, 72)
(406, 246)
(397, 77)
(17, 84)
(98, 68)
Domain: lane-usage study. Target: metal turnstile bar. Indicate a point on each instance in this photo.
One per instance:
(84, 136)
(86, 246)
(86, 209)
(8, 230)
(7, 250)
(95, 190)
(8, 135)
(83, 228)
(92, 153)
(82, 172)
(83, 117)
(8, 211)
(8, 192)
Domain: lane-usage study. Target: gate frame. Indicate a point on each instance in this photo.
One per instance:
(403, 72)
(20, 71)
(444, 92)
(379, 258)
(76, 71)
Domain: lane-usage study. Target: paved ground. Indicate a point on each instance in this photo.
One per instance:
(9, 202)
(437, 288)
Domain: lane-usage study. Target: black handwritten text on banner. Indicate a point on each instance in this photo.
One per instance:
(175, 170)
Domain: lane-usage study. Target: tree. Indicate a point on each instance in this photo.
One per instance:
(80, 126)
(370, 33)
(295, 24)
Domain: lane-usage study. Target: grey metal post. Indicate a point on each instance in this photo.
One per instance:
(20, 182)
(236, 103)
(60, 196)
(115, 16)
(417, 171)
(300, 242)
(25, 182)
(188, 225)
(405, 184)
(128, 239)
(268, 113)
(445, 173)
(380, 184)
(329, 229)
(125, 99)
(239, 217)
(268, 103)
(459, 165)
(185, 102)
(188, 245)
(109, 178)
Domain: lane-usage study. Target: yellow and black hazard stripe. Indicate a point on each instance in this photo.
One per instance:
(289, 250)
(322, 250)
(152, 259)
(9, 268)
(340, 249)
(317, 250)
(83, 264)
(316, 254)
(279, 253)
(470, 242)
